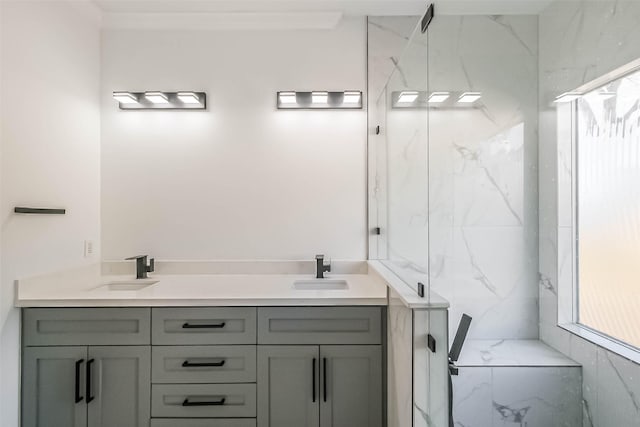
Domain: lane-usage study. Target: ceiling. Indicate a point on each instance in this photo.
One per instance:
(345, 7)
(284, 14)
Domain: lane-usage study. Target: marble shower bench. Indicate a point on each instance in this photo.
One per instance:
(516, 383)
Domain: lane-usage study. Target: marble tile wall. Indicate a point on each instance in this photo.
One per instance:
(517, 396)
(579, 41)
(516, 383)
(399, 360)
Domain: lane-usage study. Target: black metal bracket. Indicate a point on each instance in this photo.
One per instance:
(377, 231)
(426, 19)
(39, 211)
(377, 130)
(431, 343)
(421, 290)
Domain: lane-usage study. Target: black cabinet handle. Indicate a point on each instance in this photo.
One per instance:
(209, 403)
(88, 393)
(187, 364)
(77, 389)
(313, 382)
(209, 326)
(324, 376)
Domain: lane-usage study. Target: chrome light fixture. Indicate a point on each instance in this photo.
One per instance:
(438, 97)
(319, 100)
(319, 97)
(408, 97)
(287, 98)
(188, 97)
(156, 100)
(156, 97)
(469, 97)
(437, 100)
(125, 97)
(352, 97)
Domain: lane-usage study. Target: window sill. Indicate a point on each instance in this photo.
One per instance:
(603, 341)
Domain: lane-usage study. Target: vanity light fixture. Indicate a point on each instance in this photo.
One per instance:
(319, 97)
(408, 97)
(287, 97)
(156, 97)
(438, 97)
(125, 97)
(469, 97)
(436, 100)
(319, 100)
(567, 97)
(156, 100)
(352, 97)
(188, 97)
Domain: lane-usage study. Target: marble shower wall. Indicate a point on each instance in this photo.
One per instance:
(482, 173)
(579, 41)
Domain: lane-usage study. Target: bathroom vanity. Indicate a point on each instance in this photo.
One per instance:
(223, 350)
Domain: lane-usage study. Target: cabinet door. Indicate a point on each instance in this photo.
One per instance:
(53, 387)
(288, 386)
(351, 394)
(119, 381)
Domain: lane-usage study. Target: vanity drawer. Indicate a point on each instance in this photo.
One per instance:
(204, 364)
(211, 422)
(319, 325)
(203, 400)
(210, 325)
(86, 326)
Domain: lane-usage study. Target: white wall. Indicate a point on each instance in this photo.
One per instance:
(50, 153)
(241, 180)
(580, 41)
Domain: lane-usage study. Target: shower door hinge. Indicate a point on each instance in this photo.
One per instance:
(431, 343)
(377, 231)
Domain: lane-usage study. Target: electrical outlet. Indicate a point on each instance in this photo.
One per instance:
(88, 248)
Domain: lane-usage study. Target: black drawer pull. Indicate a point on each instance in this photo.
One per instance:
(89, 396)
(77, 389)
(324, 376)
(209, 326)
(187, 364)
(313, 381)
(210, 403)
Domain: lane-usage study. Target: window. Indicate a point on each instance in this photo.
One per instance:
(606, 162)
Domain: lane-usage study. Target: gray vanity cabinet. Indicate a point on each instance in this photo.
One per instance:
(86, 386)
(86, 367)
(320, 386)
(351, 394)
(288, 386)
(333, 380)
(120, 386)
(48, 387)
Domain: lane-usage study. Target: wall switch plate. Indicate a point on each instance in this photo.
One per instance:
(88, 248)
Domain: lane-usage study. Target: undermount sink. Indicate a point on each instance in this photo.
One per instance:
(128, 285)
(320, 284)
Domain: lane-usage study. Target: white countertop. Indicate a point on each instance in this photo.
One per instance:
(215, 283)
(85, 287)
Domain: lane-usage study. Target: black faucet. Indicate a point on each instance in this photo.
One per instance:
(321, 267)
(141, 266)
